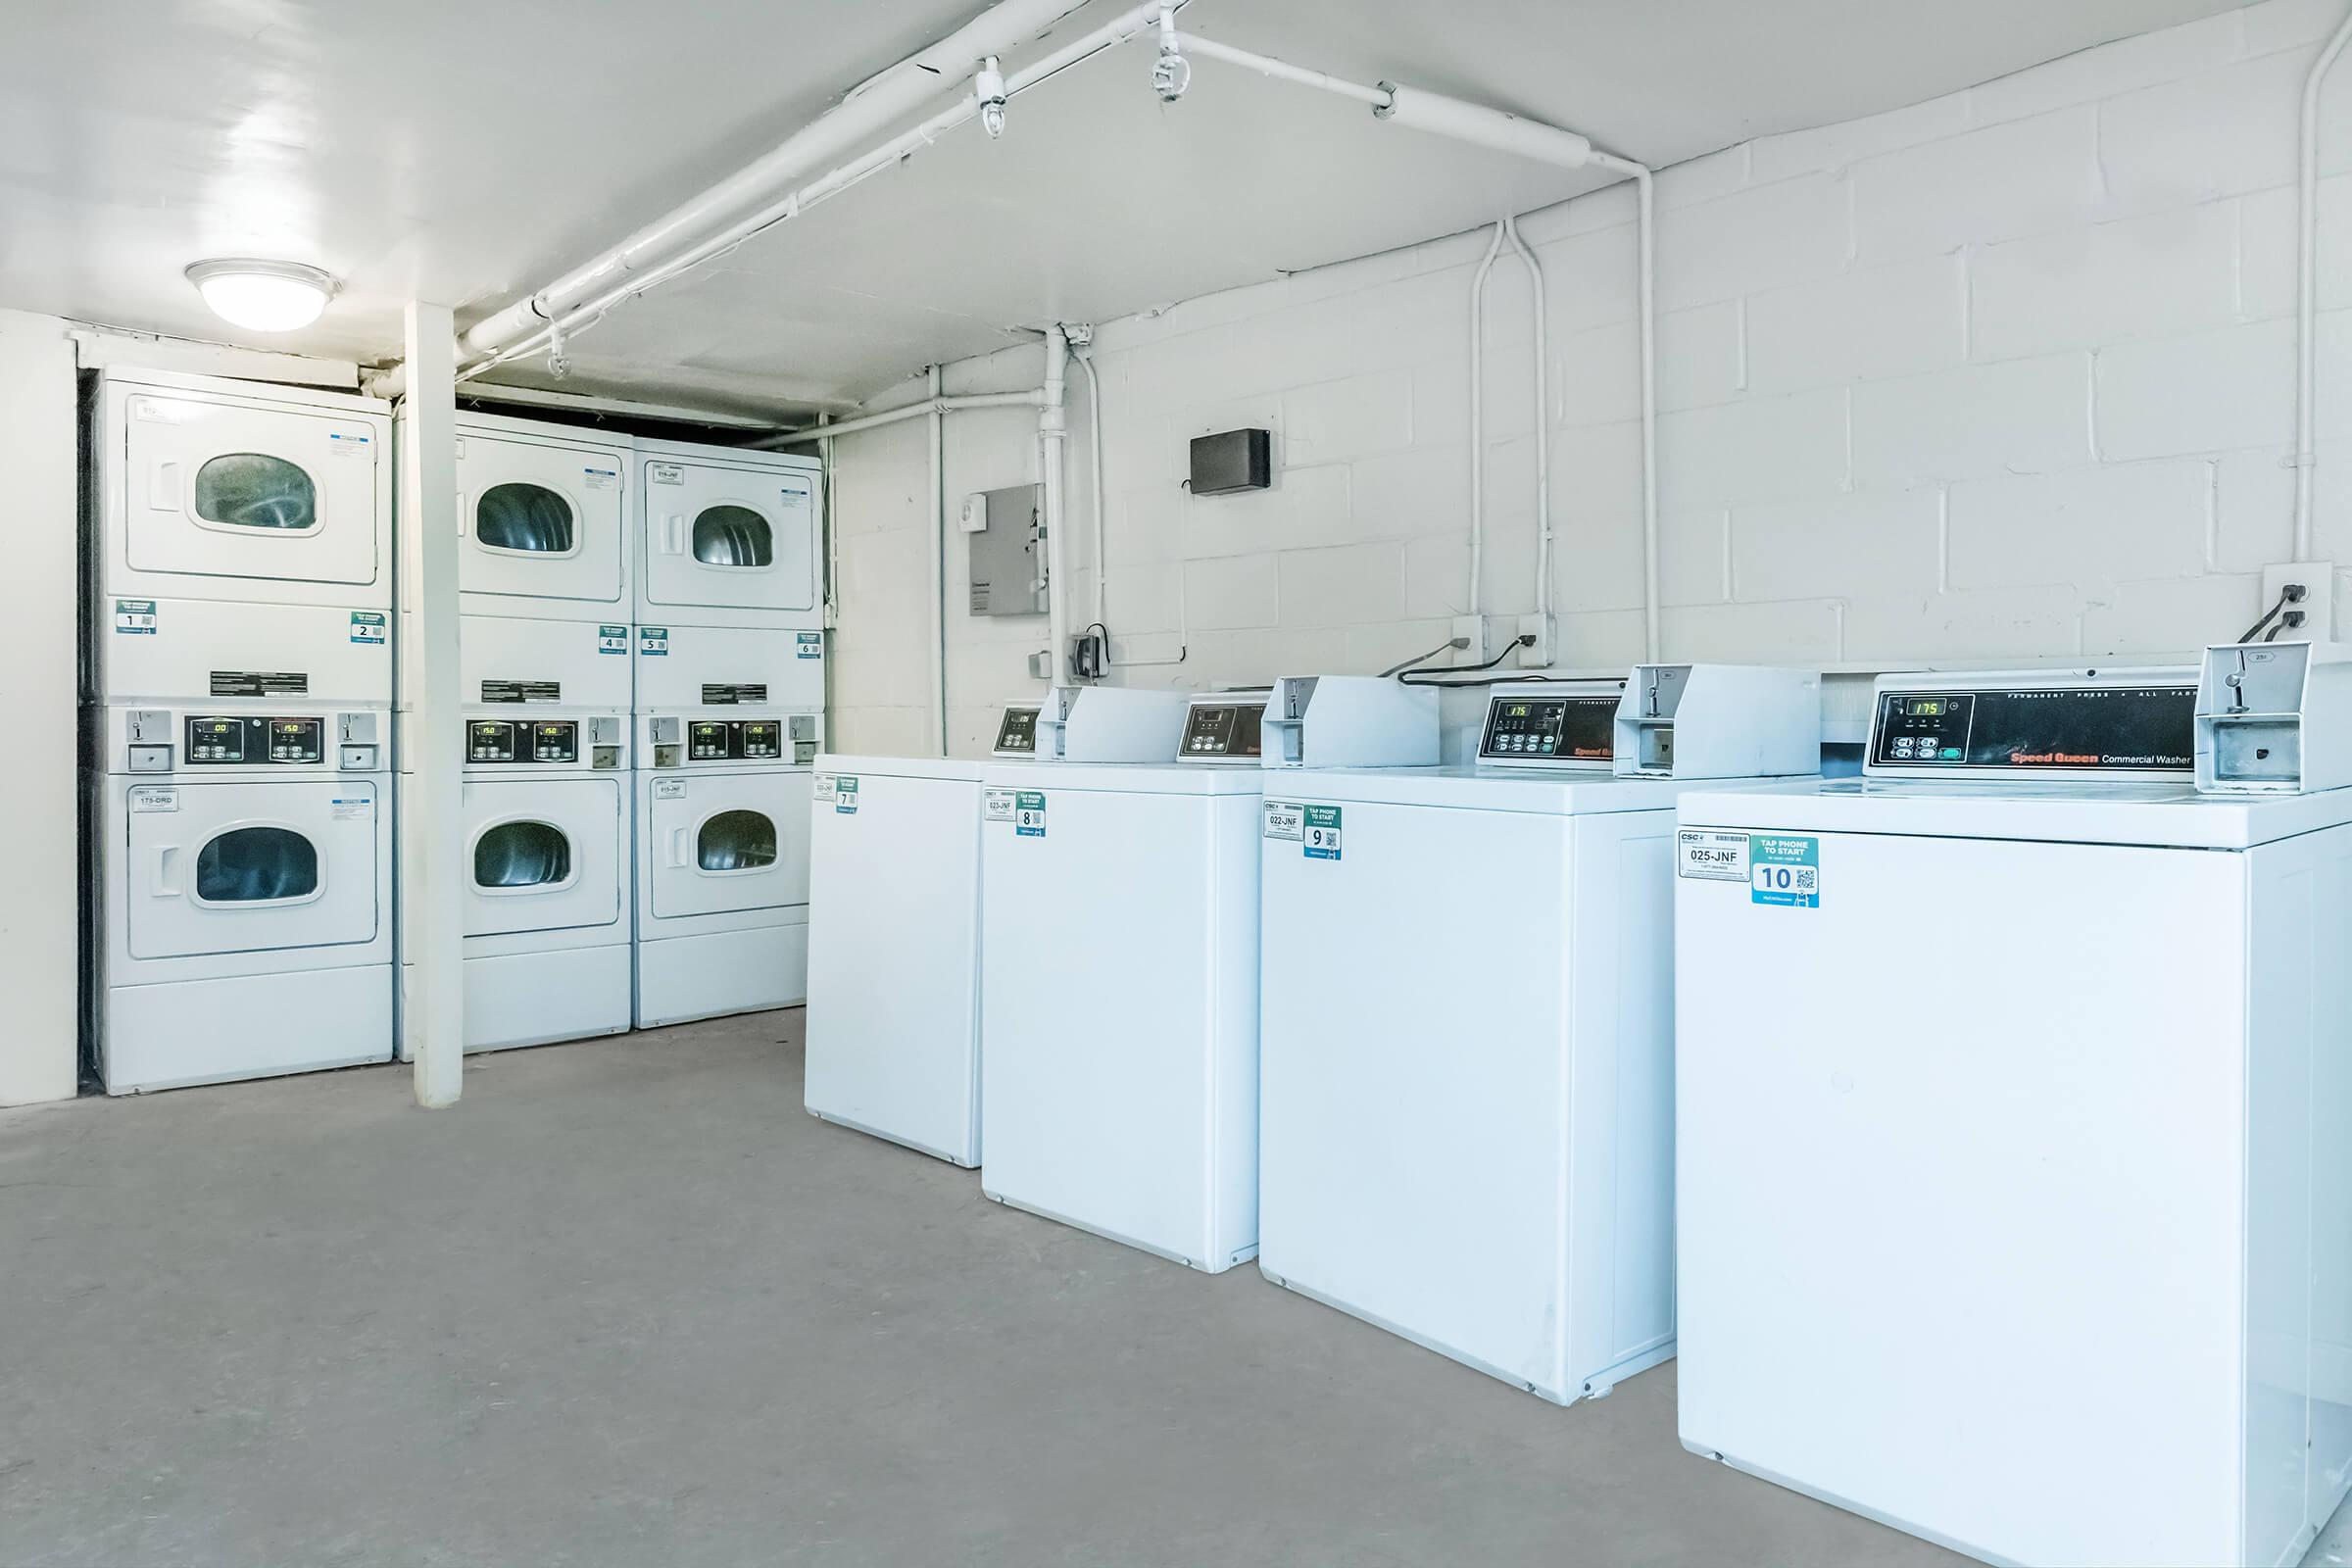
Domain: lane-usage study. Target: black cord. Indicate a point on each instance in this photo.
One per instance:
(1405, 676)
(2291, 594)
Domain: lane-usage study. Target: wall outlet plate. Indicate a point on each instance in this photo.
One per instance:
(2318, 578)
(1544, 651)
(1041, 666)
(1483, 635)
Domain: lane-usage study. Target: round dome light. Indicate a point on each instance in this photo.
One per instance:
(263, 296)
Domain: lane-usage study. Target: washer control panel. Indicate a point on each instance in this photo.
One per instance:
(2105, 728)
(1548, 729)
(734, 740)
(1016, 731)
(506, 740)
(250, 741)
(1219, 731)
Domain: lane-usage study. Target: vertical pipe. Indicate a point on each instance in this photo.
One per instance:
(2307, 303)
(1093, 419)
(1535, 283)
(433, 827)
(1052, 431)
(939, 567)
(1478, 414)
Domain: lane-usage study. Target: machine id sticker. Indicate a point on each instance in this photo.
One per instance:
(1710, 856)
(134, 617)
(350, 808)
(845, 795)
(812, 645)
(613, 640)
(1784, 869)
(998, 806)
(154, 798)
(368, 626)
(1284, 821)
(350, 443)
(1029, 813)
(652, 642)
(1322, 833)
(665, 473)
(600, 479)
(821, 786)
(669, 789)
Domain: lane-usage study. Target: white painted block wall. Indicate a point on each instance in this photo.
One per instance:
(2003, 376)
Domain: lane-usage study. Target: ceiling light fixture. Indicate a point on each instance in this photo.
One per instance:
(263, 296)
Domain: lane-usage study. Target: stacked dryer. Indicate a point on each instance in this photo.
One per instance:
(731, 710)
(243, 687)
(543, 522)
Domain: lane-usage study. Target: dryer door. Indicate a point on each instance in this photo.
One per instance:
(729, 538)
(722, 843)
(542, 857)
(241, 867)
(540, 520)
(220, 489)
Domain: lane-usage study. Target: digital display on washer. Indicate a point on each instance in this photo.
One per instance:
(556, 741)
(1221, 729)
(706, 741)
(1568, 729)
(1017, 732)
(490, 741)
(2123, 729)
(757, 737)
(215, 741)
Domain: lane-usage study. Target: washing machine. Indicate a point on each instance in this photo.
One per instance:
(731, 537)
(548, 855)
(247, 542)
(246, 878)
(2014, 1116)
(1467, 1051)
(894, 932)
(728, 724)
(1119, 975)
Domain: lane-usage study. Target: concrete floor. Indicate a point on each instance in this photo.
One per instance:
(629, 1304)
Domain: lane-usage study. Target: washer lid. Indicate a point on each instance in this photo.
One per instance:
(1128, 778)
(1554, 792)
(954, 769)
(2161, 815)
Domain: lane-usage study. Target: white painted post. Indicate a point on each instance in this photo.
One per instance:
(435, 799)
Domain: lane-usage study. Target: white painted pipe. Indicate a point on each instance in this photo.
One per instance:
(1451, 117)
(1052, 430)
(651, 272)
(939, 565)
(1535, 283)
(1283, 70)
(872, 106)
(1093, 421)
(1646, 224)
(2307, 304)
(903, 411)
(1478, 416)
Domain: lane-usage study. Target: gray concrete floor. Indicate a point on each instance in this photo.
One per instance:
(629, 1304)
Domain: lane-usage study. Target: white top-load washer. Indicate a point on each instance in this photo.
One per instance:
(2015, 1117)
(246, 877)
(894, 929)
(731, 537)
(247, 542)
(729, 723)
(547, 854)
(1118, 988)
(1467, 1132)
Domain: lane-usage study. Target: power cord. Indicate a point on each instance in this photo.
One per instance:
(1449, 643)
(2291, 594)
(1523, 640)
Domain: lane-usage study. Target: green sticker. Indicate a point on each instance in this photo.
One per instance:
(1784, 869)
(1029, 813)
(1322, 833)
(845, 795)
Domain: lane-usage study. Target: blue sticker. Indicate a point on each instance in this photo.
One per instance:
(812, 645)
(1322, 832)
(652, 642)
(134, 617)
(1784, 869)
(613, 640)
(368, 626)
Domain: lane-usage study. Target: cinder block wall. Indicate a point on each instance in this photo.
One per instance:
(2005, 377)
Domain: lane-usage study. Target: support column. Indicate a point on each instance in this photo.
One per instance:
(433, 910)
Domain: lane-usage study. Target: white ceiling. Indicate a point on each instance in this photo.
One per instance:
(466, 151)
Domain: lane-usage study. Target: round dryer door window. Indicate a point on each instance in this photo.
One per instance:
(516, 855)
(736, 841)
(251, 490)
(733, 536)
(526, 518)
(256, 865)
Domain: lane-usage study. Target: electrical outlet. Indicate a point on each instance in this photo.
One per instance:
(1544, 651)
(1484, 636)
(2318, 604)
(1040, 667)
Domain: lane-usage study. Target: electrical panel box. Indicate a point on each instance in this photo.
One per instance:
(1230, 461)
(1007, 554)
(2275, 718)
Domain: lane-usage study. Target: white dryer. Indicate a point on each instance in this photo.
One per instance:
(1120, 973)
(247, 885)
(1467, 1128)
(731, 537)
(729, 720)
(546, 853)
(247, 542)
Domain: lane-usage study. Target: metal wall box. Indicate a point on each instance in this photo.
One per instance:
(1007, 570)
(1235, 461)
